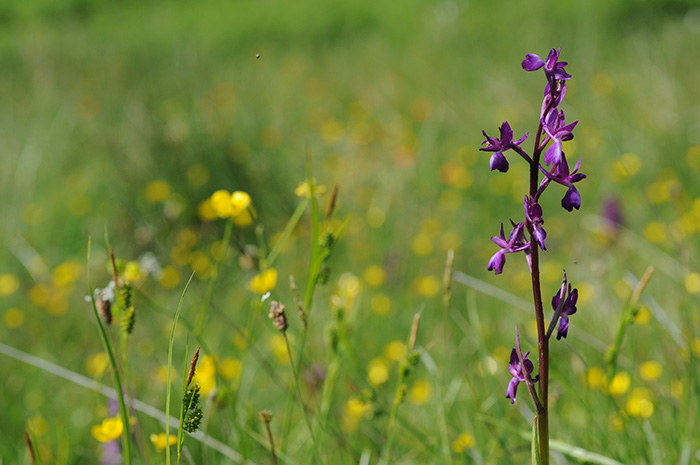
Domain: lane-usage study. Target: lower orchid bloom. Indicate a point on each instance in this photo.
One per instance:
(515, 243)
(516, 369)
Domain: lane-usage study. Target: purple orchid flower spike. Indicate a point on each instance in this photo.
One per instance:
(498, 160)
(553, 96)
(552, 69)
(556, 128)
(516, 369)
(568, 307)
(515, 243)
(560, 174)
(533, 213)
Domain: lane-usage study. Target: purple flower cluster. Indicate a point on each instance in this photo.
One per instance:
(549, 158)
(564, 302)
(555, 167)
(519, 374)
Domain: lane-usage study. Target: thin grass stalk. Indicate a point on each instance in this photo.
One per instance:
(314, 265)
(400, 393)
(116, 378)
(30, 439)
(317, 456)
(440, 381)
(186, 380)
(204, 314)
(170, 366)
(287, 231)
(627, 319)
(180, 430)
(266, 418)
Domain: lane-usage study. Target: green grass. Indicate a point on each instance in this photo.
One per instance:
(99, 99)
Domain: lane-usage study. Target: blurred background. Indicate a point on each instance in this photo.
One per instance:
(128, 115)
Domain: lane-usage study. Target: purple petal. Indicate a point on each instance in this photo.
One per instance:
(522, 139)
(498, 162)
(578, 163)
(571, 200)
(563, 327)
(568, 128)
(532, 62)
(497, 261)
(506, 134)
(512, 390)
(540, 235)
(577, 177)
(553, 154)
(560, 74)
(552, 58)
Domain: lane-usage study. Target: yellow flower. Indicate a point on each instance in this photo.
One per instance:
(169, 277)
(159, 441)
(96, 364)
(244, 218)
(377, 371)
(651, 370)
(264, 282)
(221, 203)
(381, 304)
(133, 272)
(427, 286)
(231, 368)
(206, 211)
(422, 244)
(619, 384)
(374, 275)
(395, 350)
(639, 403)
(643, 316)
(420, 392)
(595, 378)
(157, 191)
(302, 189)
(8, 284)
(354, 411)
(66, 273)
(692, 283)
(278, 347)
(205, 374)
(14, 317)
(38, 425)
(240, 201)
(109, 430)
(463, 441)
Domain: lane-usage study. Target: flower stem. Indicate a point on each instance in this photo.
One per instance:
(542, 340)
(204, 314)
(317, 457)
(116, 378)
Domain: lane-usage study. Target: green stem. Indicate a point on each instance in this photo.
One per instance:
(628, 316)
(116, 378)
(204, 314)
(317, 457)
(180, 431)
(291, 224)
(170, 365)
(400, 394)
(314, 265)
(542, 341)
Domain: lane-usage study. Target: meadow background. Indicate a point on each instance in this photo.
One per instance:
(129, 115)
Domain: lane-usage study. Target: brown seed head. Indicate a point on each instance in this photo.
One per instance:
(193, 365)
(265, 416)
(279, 319)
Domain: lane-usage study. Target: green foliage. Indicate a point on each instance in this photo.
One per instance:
(131, 114)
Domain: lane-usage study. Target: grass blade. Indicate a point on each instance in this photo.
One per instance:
(170, 365)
